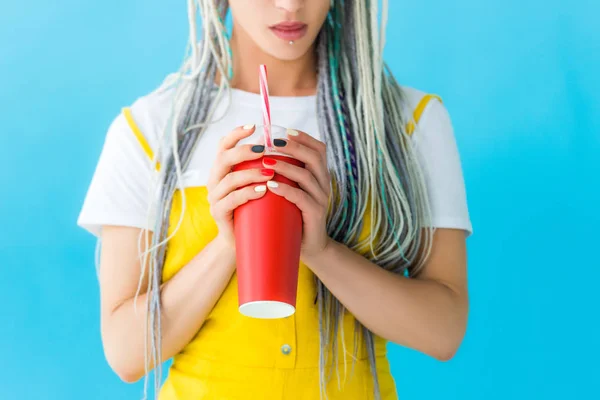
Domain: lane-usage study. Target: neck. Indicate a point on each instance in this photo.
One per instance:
(286, 77)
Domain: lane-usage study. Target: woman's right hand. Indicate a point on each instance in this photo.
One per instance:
(228, 190)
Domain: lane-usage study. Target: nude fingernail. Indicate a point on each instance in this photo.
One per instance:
(260, 188)
(292, 132)
(248, 127)
(272, 184)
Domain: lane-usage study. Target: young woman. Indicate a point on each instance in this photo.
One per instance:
(382, 199)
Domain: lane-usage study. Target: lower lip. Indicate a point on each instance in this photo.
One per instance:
(290, 34)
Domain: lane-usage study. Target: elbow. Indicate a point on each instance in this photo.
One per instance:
(125, 372)
(122, 362)
(445, 354)
(448, 340)
(122, 358)
(445, 348)
(129, 378)
(438, 348)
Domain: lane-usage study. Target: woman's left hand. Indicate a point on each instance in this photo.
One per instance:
(312, 197)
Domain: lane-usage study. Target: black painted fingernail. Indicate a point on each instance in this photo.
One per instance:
(279, 142)
(258, 148)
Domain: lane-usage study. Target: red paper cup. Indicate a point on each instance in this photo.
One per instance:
(268, 235)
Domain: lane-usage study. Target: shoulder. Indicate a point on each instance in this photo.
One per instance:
(429, 124)
(148, 114)
(436, 149)
(412, 96)
(133, 136)
(422, 110)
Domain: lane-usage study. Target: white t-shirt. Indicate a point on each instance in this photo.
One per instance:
(120, 190)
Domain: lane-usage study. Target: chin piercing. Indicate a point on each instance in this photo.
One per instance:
(291, 42)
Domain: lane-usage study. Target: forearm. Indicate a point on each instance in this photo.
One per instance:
(425, 315)
(186, 300)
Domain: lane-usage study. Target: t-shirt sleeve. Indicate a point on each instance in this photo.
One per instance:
(438, 154)
(120, 191)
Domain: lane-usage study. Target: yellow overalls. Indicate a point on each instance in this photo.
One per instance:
(233, 357)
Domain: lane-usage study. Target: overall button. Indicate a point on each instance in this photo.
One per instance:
(286, 349)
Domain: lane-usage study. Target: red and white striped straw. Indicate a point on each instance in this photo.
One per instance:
(264, 91)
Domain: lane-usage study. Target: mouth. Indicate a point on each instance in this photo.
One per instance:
(290, 30)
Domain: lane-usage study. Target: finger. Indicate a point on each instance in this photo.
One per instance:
(305, 179)
(307, 140)
(238, 179)
(239, 133)
(311, 158)
(299, 197)
(238, 197)
(228, 158)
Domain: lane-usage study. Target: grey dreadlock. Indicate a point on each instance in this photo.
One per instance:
(374, 169)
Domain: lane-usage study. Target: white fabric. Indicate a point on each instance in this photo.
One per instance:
(120, 190)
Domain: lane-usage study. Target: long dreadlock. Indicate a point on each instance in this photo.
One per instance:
(362, 114)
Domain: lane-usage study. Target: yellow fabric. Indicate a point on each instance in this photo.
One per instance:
(139, 135)
(234, 357)
(410, 127)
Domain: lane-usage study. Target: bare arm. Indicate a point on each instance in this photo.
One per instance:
(189, 296)
(427, 313)
(187, 299)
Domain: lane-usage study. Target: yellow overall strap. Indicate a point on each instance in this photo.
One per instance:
(138, 134)
(410, 127)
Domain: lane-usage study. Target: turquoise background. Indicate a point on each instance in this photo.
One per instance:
(520, 79)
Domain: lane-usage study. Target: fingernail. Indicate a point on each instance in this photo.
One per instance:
(279, 143)
(269, 161)
(267, 172)
(260, 188)
(292, 132)
(248, 127)
(259, 148)
(272, 184)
